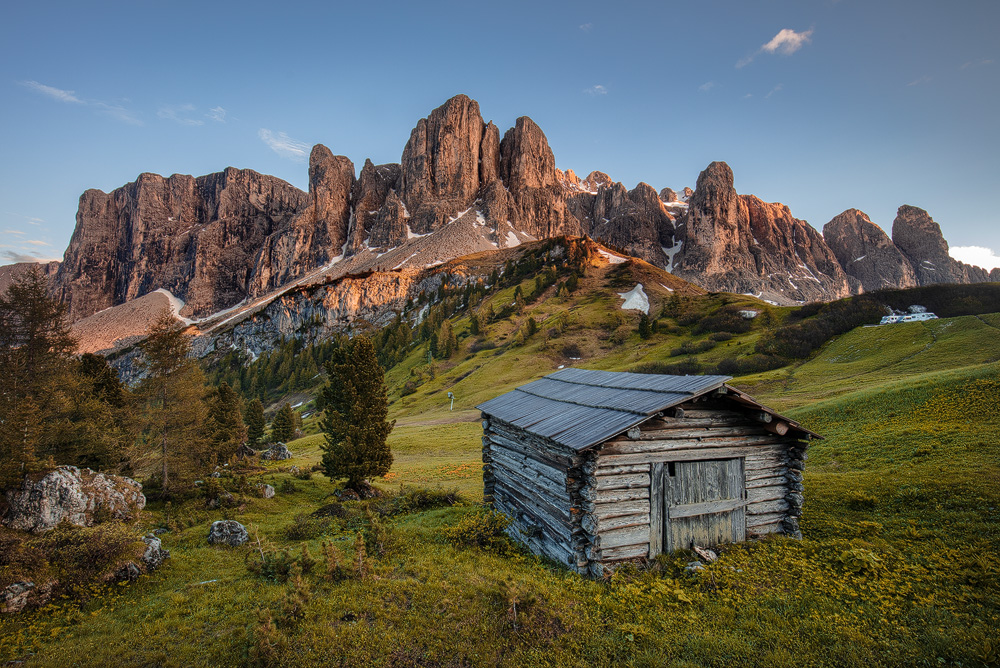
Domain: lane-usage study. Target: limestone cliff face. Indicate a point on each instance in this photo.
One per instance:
(528, 171)
(316, 233)
(12, 272)
(198, 238)
(440, 164)
(634, 221)
(741, 244)
(369, 195)
(919, 238)
(866, 253)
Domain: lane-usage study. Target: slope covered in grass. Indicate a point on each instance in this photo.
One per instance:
(898, 566)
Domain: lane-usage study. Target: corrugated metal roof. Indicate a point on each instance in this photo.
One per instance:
(580, 408)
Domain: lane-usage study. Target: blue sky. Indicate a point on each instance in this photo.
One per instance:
(823, 105)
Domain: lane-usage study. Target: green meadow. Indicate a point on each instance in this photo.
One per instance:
(899, 565)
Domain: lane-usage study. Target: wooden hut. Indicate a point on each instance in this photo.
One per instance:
(596, 467)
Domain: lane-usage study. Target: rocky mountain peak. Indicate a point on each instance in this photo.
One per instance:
(920, 239)
(866, 253)
(440, 163)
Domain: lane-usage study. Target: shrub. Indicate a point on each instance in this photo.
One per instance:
(307, 527)
(484, 529)
(571, 350)
(721, 336)
(78, 556)
(689, 367)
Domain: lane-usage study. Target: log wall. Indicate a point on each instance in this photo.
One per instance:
(591, 509)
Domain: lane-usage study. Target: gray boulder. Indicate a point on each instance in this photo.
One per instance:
(277, 452)
(16, 597)
(81, 497)
(227, 532)
(266, 491)
(155, 555)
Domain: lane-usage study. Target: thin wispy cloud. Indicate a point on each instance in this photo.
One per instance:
(979, 256)
(284, 145)
(13, 232)
(976, 63)
(587, 27)
(785, 43)
(596, 90)
(53, 92)
(217, 114)
(921, 80)
(111, 109)
(179, 114)
(36, 242)
(707, 86)
(774, 90)
(15, 256)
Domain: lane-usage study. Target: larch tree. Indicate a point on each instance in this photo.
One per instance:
(355, 423)
(173, 390)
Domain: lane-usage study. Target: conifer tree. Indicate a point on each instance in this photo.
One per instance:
(255, 422)
(224, 427)
(35, 366)
(645, 328)
(173, 390)
(283, 424)
(355, 422)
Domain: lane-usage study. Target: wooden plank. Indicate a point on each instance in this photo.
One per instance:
(525, 517)
(655, 506)
(617, 509)
(764, 529)
(542, 445)
(702, 432)
(690, 421)
(535, 484)
(706, 508)
(709, 440)
(635, 535)
(759, 494)
(620, 553)
(754, 475)
(594, 524)
(599, 468)
(550, 458)
(766, 518)
(557, 514)
(516, 462)
(625, 481)
(592, 496)
(766, 507)
(689, 454)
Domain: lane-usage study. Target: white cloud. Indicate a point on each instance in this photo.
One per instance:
(13, 232)
(14, 256)
(37, 242)
(54, 93)
(774, 90)
(707, 86)
(921, 80)
(596, 90)
(284, 145)
(786, 42)
(976, 63)
(978, 256)
(113, 110)
(587, 27)
(217, 114)
(178, 114)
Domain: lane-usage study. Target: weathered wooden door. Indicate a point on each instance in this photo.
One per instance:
(698, 503)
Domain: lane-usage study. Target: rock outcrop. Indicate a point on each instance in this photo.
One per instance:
(80, 497)
(741, 244)
(919, 238)
(866, 253)
(11, 272)
(227, 532)
(369, 196)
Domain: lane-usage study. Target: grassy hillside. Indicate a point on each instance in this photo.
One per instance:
(898, 566)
